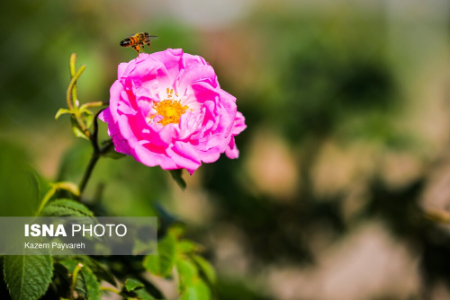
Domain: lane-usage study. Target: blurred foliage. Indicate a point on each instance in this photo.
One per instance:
(20, 185)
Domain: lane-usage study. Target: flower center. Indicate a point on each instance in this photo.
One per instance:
(170, 110)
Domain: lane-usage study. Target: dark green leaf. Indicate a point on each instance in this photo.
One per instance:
(162, 264)
(133, 284)
(28, 276)
(90, 284)
(177, 176)
(66, 208)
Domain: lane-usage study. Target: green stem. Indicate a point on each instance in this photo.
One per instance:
(47, 197)
(87, 174)
(69, 97)
(72, 66)
(73, 58)
(95, 155)
(94, 159)
(110, 289)
(76, 270)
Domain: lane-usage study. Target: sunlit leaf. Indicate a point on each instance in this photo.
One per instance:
(187, 246)
(187, 272)
(162, 264)
(133, 284)
(198, 291)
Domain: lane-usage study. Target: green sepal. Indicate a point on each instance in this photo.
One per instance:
(61, 112)
(177, 176)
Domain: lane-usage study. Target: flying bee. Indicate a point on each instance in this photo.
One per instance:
(137, 41)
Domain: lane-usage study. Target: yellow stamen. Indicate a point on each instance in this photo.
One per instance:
(170, 110)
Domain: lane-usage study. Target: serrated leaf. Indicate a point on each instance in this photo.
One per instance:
(27, 276)
(177, 176)
(80, 286)
(87, 284)
(197, 291)
(61, 112)
(69, 264)
(162, 264)
(206, 268)
(77, 130)
(66, 208)
(133, 284)
(90, 284)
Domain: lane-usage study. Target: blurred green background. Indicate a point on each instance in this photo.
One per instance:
(347, 105)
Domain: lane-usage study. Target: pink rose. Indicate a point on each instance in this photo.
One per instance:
(167, 109)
